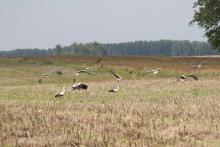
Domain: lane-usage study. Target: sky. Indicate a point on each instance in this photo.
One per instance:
(46, 23)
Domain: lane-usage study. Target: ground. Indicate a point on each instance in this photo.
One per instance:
(148, 110)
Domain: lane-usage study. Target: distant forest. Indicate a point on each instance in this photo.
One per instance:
(137, 48)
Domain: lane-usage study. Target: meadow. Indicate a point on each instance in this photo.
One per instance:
(148, 110)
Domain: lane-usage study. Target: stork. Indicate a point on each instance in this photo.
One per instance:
(118, 77)
(52, 72)
(81, 71)
(98, 61)
(182, 78)
(61, 93)
(131, 72)
(114, 89)
(197, 66)
(155, 71)
(40, 81)
(79, 86)
(194, 77)
(185, 78)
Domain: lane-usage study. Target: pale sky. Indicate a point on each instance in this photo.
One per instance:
(45, 23)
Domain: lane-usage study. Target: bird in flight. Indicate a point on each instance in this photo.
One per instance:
(131, 72)
(182, 78)
(114, 89)
(197, 66)
(91, 65)
(52, 72)
(118, 77)
(81, 71)
(98, 61)
(155, 71)
(79, 86)
(40, 81)
(61, 93)
(185, 78)
(194, 77)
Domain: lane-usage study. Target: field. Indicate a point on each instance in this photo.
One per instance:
(148, 110)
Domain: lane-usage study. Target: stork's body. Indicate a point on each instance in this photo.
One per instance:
(61, 93)
(79, 86)
(98, 61)
(182, 78)
(82, 71)
(186, 78)
(114, 89)
(198, 66)
(118, 77)
(52, 72)
(194, 77)
(154, 71)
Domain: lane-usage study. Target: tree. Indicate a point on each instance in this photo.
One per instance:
(207, 15)
(58, 49)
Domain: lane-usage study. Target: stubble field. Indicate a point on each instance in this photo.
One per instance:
(148, 110)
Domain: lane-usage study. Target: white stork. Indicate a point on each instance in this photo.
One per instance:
(52, 72)
(116, 75)
(185, 78)
(61, 93)
(114, 89)
(98, 61)
(79, 86)
(197, 66)
(154, 71)
(81, 71)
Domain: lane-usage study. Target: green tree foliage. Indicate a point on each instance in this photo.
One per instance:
(58, 49)
(207, 15)
(89, 49)
(160, 48)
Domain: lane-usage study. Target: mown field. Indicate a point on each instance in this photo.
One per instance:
(148, 110)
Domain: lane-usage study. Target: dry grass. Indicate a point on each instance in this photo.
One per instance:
(147, 111)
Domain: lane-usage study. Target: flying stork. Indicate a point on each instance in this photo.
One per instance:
(155, 71)
(98, 61)
(118, 77)
(114, 89)
(79, 86)
(81, 71)
(185, 78)
(61, 93)
(197, 66)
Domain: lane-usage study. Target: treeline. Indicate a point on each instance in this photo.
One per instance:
(26, 52)
(161, 48)
(138, 48)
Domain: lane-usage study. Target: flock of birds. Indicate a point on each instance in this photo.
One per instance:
(83, 86)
